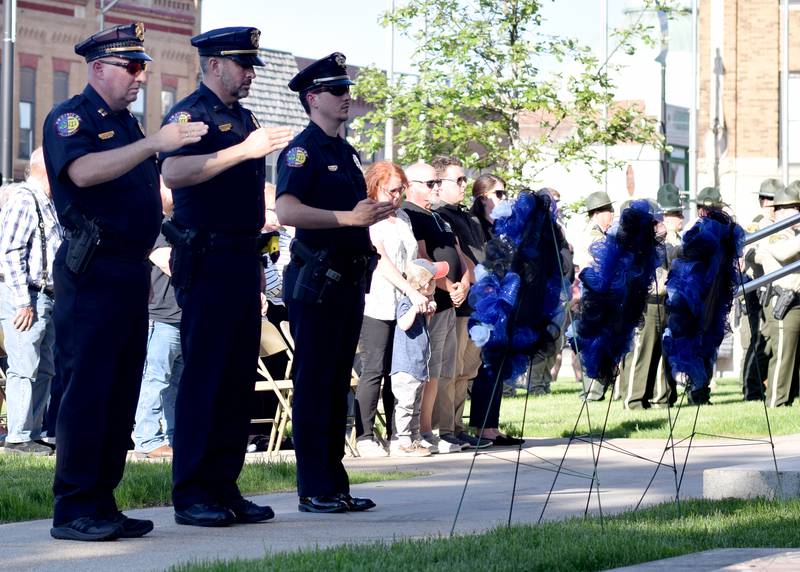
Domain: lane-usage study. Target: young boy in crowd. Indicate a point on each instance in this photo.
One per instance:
(410, 354)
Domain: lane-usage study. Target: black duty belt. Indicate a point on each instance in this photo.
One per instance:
(115, 247)
(47, 291)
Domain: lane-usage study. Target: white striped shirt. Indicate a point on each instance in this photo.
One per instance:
(20, 241)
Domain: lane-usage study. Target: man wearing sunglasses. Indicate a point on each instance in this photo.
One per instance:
(322, 192)
(218, 189)
(104, 178)
(452, 394)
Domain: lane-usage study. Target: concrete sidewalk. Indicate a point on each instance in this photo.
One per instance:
(412, 508)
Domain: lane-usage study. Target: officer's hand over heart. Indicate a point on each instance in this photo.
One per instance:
(369, 211)
(175, 135)
(265, 140)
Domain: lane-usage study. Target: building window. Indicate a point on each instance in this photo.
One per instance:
(167, 101)
(139, 107)
(272, 167)
(60, 87)
(27, 111)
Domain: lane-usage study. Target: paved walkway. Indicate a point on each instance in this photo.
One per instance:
(412, 508)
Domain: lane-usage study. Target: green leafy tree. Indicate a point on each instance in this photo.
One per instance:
(479, 90)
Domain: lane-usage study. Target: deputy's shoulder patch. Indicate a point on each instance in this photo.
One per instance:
(296, 157)
(180, 117)
(68, 124)
(357, 161)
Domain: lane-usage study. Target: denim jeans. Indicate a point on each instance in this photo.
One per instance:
(155, 414)
(30, 366)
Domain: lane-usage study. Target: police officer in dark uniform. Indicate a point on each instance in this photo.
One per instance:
(218, 191)
(321, 191)
(104, 177)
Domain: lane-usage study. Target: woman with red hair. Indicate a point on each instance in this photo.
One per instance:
(395, 242)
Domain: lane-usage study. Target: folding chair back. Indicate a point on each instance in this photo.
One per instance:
(272, 342)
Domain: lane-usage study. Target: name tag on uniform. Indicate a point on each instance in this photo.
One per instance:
(333, 167)
(225, 127)
(106, 135)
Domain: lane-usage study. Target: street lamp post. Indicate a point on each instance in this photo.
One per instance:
(662, 59)
(105, 6)
(7, 91)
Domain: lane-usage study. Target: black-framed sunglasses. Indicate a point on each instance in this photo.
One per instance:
(133, 67)
(459, 181)
(335, 90)
(432, 184)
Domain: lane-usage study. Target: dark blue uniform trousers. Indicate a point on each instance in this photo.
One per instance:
(100, 320)
(325, 337)
(220, 333)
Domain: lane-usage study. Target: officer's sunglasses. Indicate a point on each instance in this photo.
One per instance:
(335, 90)
(133, 67)
(432, 184)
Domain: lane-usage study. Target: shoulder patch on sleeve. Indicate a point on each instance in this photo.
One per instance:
(180, 117)
(67, 124)
(296, 157)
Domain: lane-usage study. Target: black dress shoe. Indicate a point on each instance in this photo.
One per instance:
(205, 514)
(355, 504)
(506, 441)
(322, 504)
(87, 528)
(247, 512)
(132, 527)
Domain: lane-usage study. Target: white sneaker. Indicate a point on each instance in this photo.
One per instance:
(432, 448)
(369, 448)
(449, 444)
(414, 449)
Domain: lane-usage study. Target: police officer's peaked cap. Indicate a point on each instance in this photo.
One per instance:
(598, 200)
(669, 198)
(788, 196)
(120, 41)
(239, 43)
(769, 188)
(330, 70)
(710, 197)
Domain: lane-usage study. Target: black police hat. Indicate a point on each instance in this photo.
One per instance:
(120, 41)
(330, 70)
(239, 43)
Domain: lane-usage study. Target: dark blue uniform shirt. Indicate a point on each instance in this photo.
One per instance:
(233, 201)
(325, 172)
(128, 208)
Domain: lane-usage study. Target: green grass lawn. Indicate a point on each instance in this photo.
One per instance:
(575, 544)
(554, 415)
(27, 494)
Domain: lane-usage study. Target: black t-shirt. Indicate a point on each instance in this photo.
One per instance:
(233, 201)
(128, 208)
(163, 307)
(471, 239)
(440, 242)
(324, 172)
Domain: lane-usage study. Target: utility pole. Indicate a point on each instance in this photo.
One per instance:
(7, 91)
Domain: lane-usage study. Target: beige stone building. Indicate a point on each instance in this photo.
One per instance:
(47, 70)
(740, 92)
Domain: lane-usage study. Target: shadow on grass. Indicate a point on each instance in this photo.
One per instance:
(624, 428)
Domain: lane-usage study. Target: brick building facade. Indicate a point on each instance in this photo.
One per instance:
(740, 51)
(47, 70)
